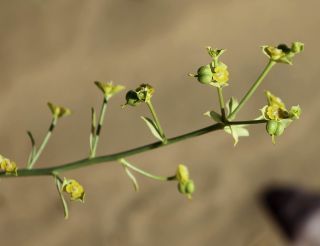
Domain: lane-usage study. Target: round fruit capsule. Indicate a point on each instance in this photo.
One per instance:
(271, 127)
(204, 74)
(190, 187)
(132, 98)
(280, 129)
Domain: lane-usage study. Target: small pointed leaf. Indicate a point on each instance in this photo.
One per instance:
(237, 131)
(214, 115)
(153, 127)
(231, 105)
(132, 178)
(33, 148)
(64, 203)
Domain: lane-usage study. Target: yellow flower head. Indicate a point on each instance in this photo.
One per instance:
(182, 174)
(74, 189)
(58, 111)
(8, 166)
(108, 88)
(145, 92)
(185, 184)
(276, 109)
(273, 52)
(221, 75)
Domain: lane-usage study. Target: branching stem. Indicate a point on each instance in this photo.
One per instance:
(55, 170)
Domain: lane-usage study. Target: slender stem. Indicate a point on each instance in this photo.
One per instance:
(142, 172)
(253, 88)
(116, 156)
(98, 130)
(44, 142)
(221, 102)
(156, 119)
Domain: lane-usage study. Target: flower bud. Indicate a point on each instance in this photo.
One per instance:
(297, 47)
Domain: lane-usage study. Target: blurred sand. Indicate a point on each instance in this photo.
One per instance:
(54, 50)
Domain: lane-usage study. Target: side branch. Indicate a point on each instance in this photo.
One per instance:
(113, 157)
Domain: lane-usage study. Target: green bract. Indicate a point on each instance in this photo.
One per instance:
(108, 88)
(58, 111)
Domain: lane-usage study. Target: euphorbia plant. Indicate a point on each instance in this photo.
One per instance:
(275, 116)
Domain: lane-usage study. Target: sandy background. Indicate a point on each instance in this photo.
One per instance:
(54, 50)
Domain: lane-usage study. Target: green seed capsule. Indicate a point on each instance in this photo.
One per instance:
(280, 129)
(182, 188)
(271, 127)
(204, 74)
(132, 98)
(204, 70)
(190, 188)
(205, 79)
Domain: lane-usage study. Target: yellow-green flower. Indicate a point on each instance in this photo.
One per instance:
(185, 184)
(58, 111)
(145, 92)
(221, 75)
(182, 174)
(108, 88)
(275, 110)
(74, 189)
(7, 166)
(273, 52)
(282, 53)
(142, 94)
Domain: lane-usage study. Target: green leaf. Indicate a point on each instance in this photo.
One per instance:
(214, 115)
(153, 127)
(237, 131)
(64, 203)
(132, 178)
(231, 105)
(33, 149)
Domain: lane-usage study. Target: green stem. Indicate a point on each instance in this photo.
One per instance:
(221, 102)
(156, 119)
(98, 130)
(142, 172)
(114, 157)
(44, 142)
(253, 88)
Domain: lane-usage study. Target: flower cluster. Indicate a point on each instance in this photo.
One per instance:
(7, 166)
(74, 189)
(185, 184)
(216, 73)
(142, 94)
(278, 116)
(282, 53)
